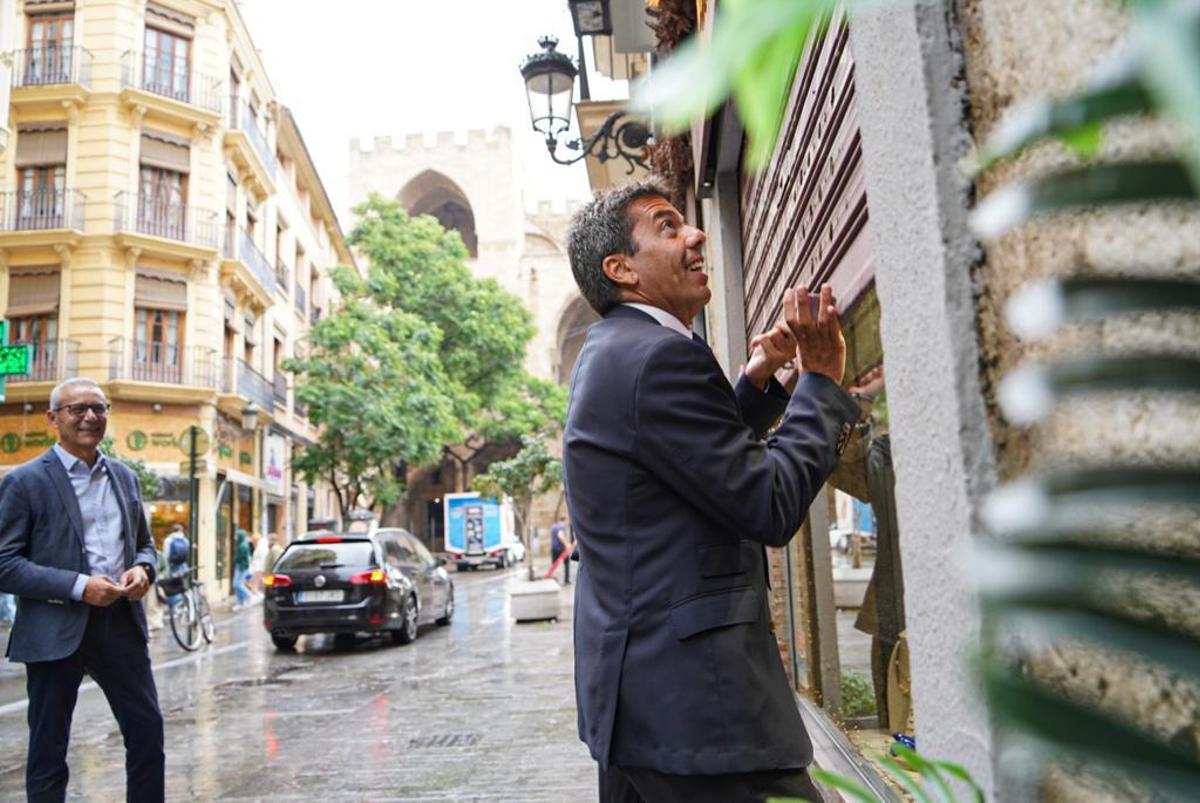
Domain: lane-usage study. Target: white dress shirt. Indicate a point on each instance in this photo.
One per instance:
(101, 514)
(662, 316)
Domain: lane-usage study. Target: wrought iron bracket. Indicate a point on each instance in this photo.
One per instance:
(626, 140)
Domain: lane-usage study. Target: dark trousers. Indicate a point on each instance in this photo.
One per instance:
(640, 785)
(566, 565)
(114, 654)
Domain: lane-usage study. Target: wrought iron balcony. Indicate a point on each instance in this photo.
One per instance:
(280, 388)
(40, 210)
(143, 361)
(51, 361)
(48, 66)
(240, 119)
(145, 215)
(249, 253)
(160, 75)
(240, 378)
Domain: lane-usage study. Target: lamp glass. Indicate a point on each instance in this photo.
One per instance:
(550, 96)
(250, 418)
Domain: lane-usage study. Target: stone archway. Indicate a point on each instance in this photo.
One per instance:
(434, 193)
(572, 329)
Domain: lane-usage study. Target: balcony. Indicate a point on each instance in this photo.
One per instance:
(245, 267)
(154, 84)
(246, 146)
(51, 76)
(280, 388)
(241, 379)
(139, 370)
(41, 218)
(165, 229)
(51, 361)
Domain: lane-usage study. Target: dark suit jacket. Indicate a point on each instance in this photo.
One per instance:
(672, 496)
(42, 552)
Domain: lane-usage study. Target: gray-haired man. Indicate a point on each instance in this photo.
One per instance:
(76, 550)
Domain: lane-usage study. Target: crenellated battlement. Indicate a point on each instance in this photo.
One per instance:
(475, 139)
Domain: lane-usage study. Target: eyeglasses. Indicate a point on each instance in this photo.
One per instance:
(80, 410)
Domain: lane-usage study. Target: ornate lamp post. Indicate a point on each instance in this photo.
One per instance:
(550, 86)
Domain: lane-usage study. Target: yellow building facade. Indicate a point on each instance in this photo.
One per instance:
(164, 231)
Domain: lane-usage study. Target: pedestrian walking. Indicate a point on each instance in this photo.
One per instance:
(241, 568)
(673, 494)
(561, 542)
(259, 548)
(76, 548)
(275, 552)
(178, 552)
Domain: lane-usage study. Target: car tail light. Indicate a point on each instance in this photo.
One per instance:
(375, 620)
(495, 553)
(372, 577)
(329, 539)
(276, 580)
(267, 623)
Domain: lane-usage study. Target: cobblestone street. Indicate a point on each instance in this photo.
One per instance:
(482, 709)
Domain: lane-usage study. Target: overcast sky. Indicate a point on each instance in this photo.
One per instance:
(362, 68)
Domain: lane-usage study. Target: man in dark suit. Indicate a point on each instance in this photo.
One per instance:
(75, 549)
(673, 494)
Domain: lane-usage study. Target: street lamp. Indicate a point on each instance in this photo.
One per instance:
(549, 87)
(250, 417)
(590, 17)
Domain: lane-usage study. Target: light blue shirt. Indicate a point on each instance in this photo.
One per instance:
(101, 512)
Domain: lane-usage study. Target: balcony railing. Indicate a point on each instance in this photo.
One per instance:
(144, 361)
(248, 252)
(161, 76)
(300, 298)
(281, 274)
(160, 219)
(241, 119)
(51, 361)
(42, 209)
(238, 377)
(280, 388)
(47, 66)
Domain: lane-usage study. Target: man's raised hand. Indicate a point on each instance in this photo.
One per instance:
(770, 352)
(820, 345)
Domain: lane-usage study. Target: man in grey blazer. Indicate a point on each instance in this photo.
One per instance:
(75, 549)
(673, 494)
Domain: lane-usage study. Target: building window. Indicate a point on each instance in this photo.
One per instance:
(40, 197)
(48, 59)
(167, 67)
(161, 208)
(158, 345)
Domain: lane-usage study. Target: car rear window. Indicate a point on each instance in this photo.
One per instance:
(316, 556)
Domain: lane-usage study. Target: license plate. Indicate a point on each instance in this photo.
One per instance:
(334, 595)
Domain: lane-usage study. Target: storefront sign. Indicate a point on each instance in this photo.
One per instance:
(235, 446)
(138, 431)
(274, 463)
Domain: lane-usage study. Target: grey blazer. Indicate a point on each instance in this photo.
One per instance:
(673, 495)
(42, 551)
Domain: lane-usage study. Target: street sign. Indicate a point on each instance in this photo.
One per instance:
(203, 441)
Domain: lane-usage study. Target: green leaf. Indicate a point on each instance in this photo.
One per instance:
(1116, 91)
(841, 782)
(898, 772)
(926, 768)
(959, 772)
(1093, 186)
(1087, 734)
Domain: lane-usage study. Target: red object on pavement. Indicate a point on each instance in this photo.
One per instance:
(554, 566)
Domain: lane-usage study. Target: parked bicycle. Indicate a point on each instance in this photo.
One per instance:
(191, 618)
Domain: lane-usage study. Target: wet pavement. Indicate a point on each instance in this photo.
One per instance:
(480, 710)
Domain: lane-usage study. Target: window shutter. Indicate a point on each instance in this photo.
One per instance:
(169, 20)
(251, 332)
(41, 145)
(166, 151)
(160, 290)
(32, 291)
(231, 195)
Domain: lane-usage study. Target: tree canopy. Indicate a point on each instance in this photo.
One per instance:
(420, 355)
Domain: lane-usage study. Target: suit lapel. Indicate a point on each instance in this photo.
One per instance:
(62, 483)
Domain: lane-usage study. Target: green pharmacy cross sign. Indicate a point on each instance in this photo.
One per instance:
(14, 360)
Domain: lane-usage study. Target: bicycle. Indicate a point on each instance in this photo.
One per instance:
(191, 618)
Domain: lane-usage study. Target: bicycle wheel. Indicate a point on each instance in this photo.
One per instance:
(204, 614)
(185, 624)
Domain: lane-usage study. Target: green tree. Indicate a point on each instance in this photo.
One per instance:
(418, 267)
(530, 472)
(373, 382)
(148, 479)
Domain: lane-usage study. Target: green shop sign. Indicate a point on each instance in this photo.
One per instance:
(12, 442)
(137, 440)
